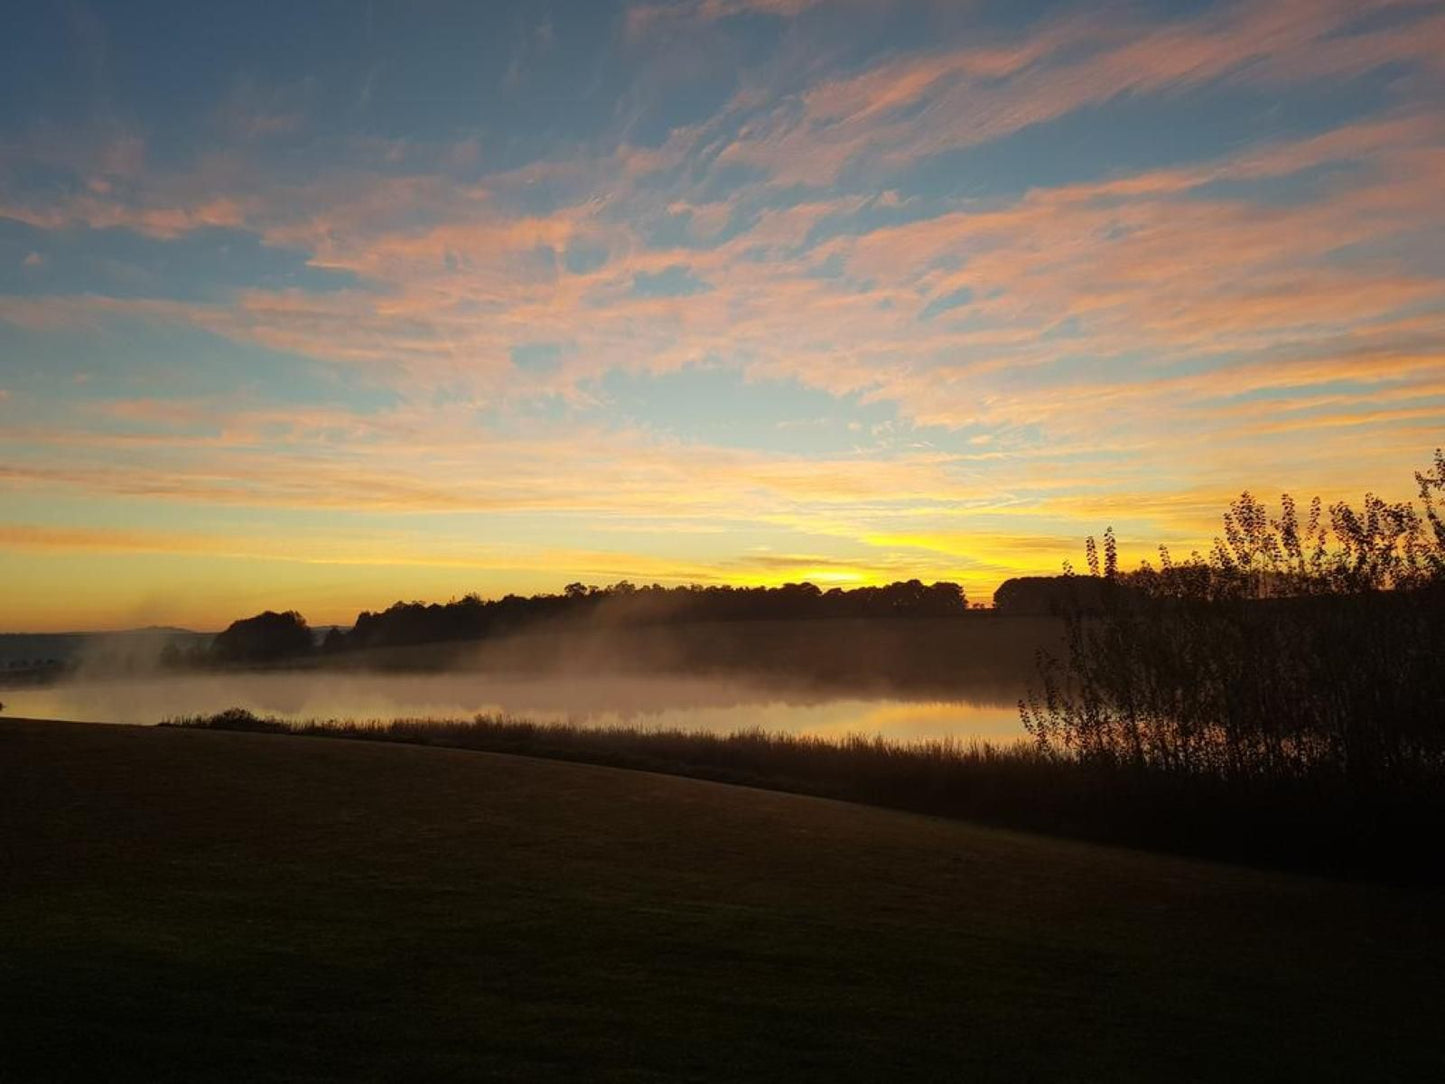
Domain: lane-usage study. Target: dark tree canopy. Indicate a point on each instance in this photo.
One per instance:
(626, 603)
(266, 637)
(1301, 646)
(1043, 596)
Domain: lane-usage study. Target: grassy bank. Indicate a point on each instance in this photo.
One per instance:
(1307, 824)
(184, 904)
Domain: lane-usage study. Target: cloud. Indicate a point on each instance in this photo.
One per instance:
(644, 19)
(675, 280)
(903, 110)
(1047, 355)
(252, 112)
(1108, 268)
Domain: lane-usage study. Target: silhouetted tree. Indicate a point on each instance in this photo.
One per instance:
(625, 603)
(1042, 596)
(267, 637)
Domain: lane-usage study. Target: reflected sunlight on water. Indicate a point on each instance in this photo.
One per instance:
(651, 702)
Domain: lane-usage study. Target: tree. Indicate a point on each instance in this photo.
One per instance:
(266, 637)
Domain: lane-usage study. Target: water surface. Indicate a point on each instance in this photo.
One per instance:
(649, 701)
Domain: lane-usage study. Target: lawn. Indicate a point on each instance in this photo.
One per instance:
(192, 904)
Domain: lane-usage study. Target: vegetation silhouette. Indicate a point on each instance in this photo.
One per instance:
(1017, 786)
(1278, 701)
(1056, 596)
(1293, 673)
(267, 637)
(272, 637)
(472, 618)
(1296, 646)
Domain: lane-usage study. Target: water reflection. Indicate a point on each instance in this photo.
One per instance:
(634, 700)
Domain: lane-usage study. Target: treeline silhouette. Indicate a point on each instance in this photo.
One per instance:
(623, 603)
(1278, 699)
(271, 637)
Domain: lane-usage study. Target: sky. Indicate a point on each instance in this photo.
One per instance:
(322, 305)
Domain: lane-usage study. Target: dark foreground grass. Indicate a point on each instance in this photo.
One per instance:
(1311, 822)
(186, 904)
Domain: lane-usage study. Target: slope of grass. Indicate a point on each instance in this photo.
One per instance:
(184, 904)
(1311, 823)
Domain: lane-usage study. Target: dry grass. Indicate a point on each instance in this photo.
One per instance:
(186, 904)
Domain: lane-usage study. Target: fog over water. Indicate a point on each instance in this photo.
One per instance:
(643, 700)
(917, 678)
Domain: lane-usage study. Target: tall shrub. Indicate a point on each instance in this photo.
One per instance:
(1300, 646)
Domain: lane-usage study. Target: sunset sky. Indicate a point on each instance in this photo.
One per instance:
(323, 305)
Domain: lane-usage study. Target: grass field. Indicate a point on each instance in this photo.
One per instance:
(190, 904)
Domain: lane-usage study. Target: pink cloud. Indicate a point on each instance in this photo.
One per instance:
(646, 18)
(983, 92)
(1120, 257)
(1220, 298)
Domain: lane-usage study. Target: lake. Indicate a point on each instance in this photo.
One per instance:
(642, 700)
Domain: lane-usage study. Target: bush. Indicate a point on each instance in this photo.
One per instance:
(267, 637)
(1293, 674)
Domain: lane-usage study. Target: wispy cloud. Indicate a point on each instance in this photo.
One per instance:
(1271, 296)
(647, 18)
